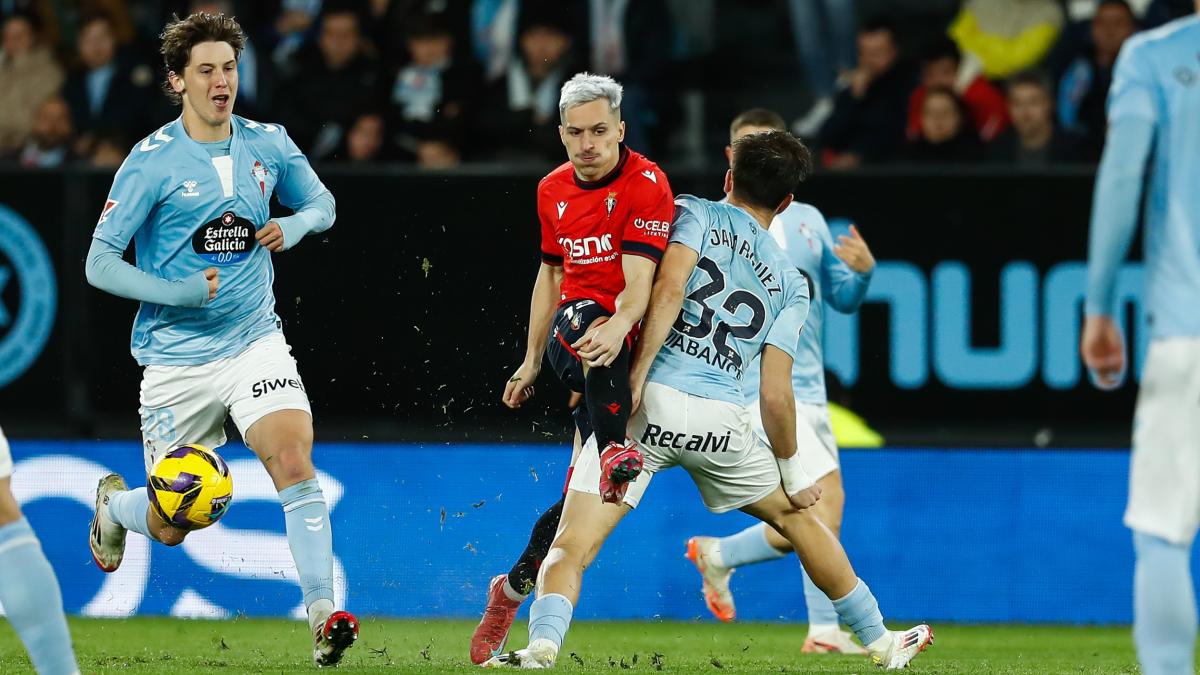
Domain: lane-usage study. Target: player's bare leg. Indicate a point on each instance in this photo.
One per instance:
(507, 592)
(283, 442)
(826, 563)
(586, 522)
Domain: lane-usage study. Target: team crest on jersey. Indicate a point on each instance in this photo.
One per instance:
(260, 174)
(610, 203)
(189, 188)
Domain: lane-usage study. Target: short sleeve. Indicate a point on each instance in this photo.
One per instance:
(551, 250)
(687, 225)
(130, 201)
(785, 332)
(646, 234)
(1134, 91)
(298, 183)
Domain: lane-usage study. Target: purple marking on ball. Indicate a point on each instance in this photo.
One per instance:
(181, 452)
(183, 481)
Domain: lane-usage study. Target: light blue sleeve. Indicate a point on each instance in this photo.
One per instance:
(131, 199)
(688, 226)
(1132, 117)
(301, 190)
(785, 332)
(108, 271)
(844, 288)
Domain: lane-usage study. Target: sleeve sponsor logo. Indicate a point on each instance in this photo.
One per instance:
(108, 207)
(659, 227)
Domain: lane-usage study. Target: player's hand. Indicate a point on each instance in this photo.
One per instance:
(806, 498)
(1103, 351)
(271, 236)
(853, 251)
(210, 275)
(520, 386)
(602, 343)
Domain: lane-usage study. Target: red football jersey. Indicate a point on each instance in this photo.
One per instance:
(587, 226)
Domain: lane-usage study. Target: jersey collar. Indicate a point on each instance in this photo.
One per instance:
(608, 177)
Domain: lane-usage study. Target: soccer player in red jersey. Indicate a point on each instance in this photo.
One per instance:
(605, 218)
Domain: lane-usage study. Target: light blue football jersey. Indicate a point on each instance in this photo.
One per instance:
(187, 211)
(1156, 79)
(803, 234)
(743, 294)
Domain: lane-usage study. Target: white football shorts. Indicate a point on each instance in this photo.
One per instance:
(1164, 469)
(189, 404)
(6, 465)
(816, 446)
(713, 440)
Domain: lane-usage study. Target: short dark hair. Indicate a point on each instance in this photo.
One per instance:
(757, 117)
(1120, 3)
(180, 35)
(93, 16)
(767, 167)
(876, 24)
(1035, 78)
(941, 48)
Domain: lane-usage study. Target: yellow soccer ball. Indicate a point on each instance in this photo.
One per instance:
(190, 487)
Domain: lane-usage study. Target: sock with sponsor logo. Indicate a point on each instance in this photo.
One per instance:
(748, 547)
(32, 599)
(549, 618)
(608, 398)
(523, 576)
(310, 536)
(129, 509)
(860, 610)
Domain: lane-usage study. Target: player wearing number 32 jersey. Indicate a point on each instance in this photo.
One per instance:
(725, 296)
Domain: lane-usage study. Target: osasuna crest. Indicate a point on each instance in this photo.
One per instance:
(260, 174)
(610, 203)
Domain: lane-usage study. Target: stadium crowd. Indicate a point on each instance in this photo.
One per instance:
(438, 82)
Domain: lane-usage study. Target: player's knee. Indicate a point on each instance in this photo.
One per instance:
(171, 536)
(10, 510)
(291, 463)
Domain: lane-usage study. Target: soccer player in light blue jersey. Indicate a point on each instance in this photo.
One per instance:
(725, 299)
(1154, 140)
(194, 197)
(28, 588)
(840, 274)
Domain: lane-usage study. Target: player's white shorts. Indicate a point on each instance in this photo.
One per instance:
(1164, 471)
(713, 440)
(816, 446)
(6, 465)
(189, 404)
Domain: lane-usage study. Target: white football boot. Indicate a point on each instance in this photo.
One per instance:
(540, 654)
(716, 579)
(836, 641)
(106, 537)
(903, 648)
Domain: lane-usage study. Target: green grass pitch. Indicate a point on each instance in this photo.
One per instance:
(159, 645)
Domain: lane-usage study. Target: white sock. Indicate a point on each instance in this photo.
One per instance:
(821, 628)
(511, 593)
(318, 611)
(882, 645)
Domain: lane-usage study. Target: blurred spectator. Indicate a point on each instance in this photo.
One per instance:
(389, 21)
(867, 123)
(43, 12)
(1034, 139)
(1083, 88)
(1007, 36)
(106, 93)
(28, 75)
(519, 117)
(946, 133)
(824, 33)
(366, 140)
(109, 151)
(631, 41)
(494, 34)
(941, 66)
(332, 84)
(434, 93)
(49, 142)
(291, 32)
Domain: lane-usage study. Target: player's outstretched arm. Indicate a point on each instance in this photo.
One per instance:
(601, 345)
(107, 270)
(666, 299)
(847, 273)
(778, 405)
(519, 387)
